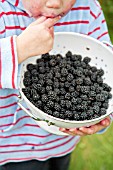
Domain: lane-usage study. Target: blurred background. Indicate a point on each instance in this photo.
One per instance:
(96, 152)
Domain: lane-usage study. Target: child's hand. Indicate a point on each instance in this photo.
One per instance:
(83, 131)
(36, 39)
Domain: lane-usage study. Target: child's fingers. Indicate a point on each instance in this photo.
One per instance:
(50, 22)
(39, 20)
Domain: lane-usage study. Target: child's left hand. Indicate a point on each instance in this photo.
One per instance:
(83, 131)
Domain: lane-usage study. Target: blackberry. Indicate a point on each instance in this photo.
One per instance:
(68, 114)
(100, 97)
(106, 87)
(57, 91)
(105, 105)
(70, 77)
(67, 96)
(85, 89)
(102, 111)
(87, 81)
(61, 85)
(100, 72)
(35, 96)
(79, 73)
(49, 75)
(27, 74)
(74, 100)
(56, 114)
(27, 82)
(64, 72)
(74, 94)
(61, 116)
(57, 107)
(62, 79)
(86, 60)
(76, 116)
(62, 103)
(34, 72)
(52, 95)
(34, 79)
(62, 91)
(56, 84)
(109, 95)
(99, 80)
(49, 82)
(30, 67)
(71, 89)
(50, 104)
(48, 88)
(68, 104)
(57, 75)
(38, 104)
(79, 81)
(96, 108)
(44, 98)
(52, 62)
(84, 97)
(83, 116)
(93, 69)
(67, 84)
(69, 54)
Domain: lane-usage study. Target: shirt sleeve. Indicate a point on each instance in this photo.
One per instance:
(98, 27)
(8, 60)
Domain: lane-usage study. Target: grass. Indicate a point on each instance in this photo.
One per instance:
(95, 152)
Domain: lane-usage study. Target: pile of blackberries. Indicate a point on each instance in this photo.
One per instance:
(67, 87)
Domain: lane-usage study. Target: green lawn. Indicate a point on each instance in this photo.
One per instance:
(96, 152)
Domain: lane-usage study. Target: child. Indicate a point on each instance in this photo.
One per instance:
(27, 29)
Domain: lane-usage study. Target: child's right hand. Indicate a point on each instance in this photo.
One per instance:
(36, 39)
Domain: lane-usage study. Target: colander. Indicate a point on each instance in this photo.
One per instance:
(101, 57)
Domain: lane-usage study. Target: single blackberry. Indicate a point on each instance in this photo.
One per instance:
(86, 60)
(109, 96)
(74, 100)
(99, 89)
(64, 72)
(74, 94)
(67, 96)
(63, 63)
(27, 82)
(99, 80)
(68, 114)
(70, 77)
(79, 73)
(62, 103)
(83, 116)
(106, 87)
(68, 104)
(84, 97)
(105, 105)
(56, 84)
(40, 62)
(79, 81)
(61, 116)
(57, 91)
(44, 98)
(57, 75)
(50, 104)
(34, 72)
(100, 97)
(62, 91)
(52, 62)
(38, 104)
(61, 84)
(35, 96)
(76, 116)
(85, 89)
(73, 82)
(83, 65)
(49, 75)
(67, 84)
(30, 67)
(69, 54)
(52, 95)
(48, 88)
(57, 107)
(87, 81)
(76, 63)
(100, 72)
(71, 89)
(34, 79)
(96, 109)
(56, 114)
(93, 69)
(102, 111)
(27, 74)
(49, 82)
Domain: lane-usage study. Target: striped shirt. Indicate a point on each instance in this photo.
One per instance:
(20, 137)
